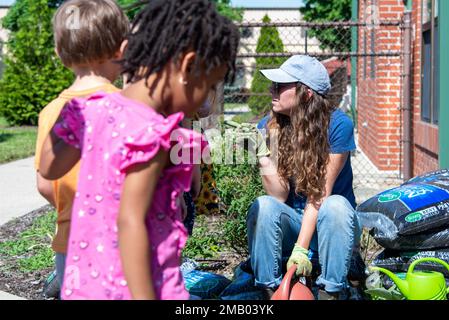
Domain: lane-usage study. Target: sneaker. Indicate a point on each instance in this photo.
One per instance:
(51, 286)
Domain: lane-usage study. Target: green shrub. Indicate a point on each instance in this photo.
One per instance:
(269, 42)
(203, 243)
(238, 185)
(33, 74)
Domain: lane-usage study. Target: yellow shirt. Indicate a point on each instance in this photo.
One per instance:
(64, 188)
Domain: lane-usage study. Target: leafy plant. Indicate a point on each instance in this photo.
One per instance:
(238, 184)
(203, 243)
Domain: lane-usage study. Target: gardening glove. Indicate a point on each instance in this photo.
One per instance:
(254, 136)
(300, 257)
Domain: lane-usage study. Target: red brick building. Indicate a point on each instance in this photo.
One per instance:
(380, 84)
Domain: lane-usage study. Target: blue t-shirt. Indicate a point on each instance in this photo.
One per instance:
(341, 140)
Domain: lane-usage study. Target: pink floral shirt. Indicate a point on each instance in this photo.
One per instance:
(114, 133)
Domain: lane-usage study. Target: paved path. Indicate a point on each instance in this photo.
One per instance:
(18, 196)
(18, 192)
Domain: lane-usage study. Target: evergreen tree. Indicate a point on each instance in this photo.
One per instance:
(269, 42)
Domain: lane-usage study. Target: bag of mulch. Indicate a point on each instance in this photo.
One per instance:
(419, 206)
(394, 264)
(205, 285)
(427, 241)
(439, 177)
(402, 262)
(431, 266)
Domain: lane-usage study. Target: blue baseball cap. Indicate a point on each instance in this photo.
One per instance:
(304, 69)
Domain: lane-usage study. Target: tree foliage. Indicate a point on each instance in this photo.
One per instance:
(33, 75)
(337, 39)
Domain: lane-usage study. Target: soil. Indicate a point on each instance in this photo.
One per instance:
(12, 280)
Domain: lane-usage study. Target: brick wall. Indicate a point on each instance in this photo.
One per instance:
(425, 136)
(379, 87)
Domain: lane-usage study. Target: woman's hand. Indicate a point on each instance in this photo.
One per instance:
(300, 257)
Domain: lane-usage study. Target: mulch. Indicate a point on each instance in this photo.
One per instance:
(12, 280)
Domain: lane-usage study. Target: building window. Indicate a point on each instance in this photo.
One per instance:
(430, 62)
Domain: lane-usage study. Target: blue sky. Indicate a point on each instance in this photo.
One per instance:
(267, 3)
(6, 2)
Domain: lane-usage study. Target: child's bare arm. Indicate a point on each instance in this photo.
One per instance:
(45, 188)
(138, 190)
(57, 157)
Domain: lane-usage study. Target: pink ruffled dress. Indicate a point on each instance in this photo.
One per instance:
(114, 133)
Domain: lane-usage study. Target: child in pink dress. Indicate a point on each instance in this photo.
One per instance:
(127, 233)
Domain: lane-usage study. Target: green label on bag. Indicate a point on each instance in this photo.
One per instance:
(413, 217)
(391, 196)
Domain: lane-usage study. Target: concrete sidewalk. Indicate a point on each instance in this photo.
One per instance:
(18, 196)
(7, 296)
(18, 192)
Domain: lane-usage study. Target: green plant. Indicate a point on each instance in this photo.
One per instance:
(268, 42)
(32, 249)
(338, 39)
(33, 74)
(203, 243)
(242, 180)
(238, 183)
(224, 7)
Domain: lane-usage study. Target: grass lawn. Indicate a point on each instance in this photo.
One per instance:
(16, 142)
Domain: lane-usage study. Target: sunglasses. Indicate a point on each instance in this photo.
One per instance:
(277, 87)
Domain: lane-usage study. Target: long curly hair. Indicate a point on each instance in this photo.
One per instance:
(302, 141)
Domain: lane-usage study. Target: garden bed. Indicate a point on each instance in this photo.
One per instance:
(26, 258)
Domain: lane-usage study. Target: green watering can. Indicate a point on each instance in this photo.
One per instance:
(421, 285)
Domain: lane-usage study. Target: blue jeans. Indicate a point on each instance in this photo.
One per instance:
(273, 229)
(60, 267)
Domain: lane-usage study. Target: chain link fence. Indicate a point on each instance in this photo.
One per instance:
(267, 44)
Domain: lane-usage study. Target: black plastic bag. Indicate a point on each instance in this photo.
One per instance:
(419, 205)
(402, 261)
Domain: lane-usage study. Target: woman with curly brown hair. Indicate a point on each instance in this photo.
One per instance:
(309, 207)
